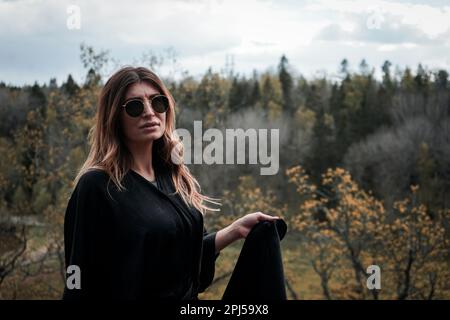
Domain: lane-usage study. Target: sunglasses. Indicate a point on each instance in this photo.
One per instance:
(135, 107)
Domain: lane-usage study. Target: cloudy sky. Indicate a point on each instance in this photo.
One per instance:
(40, 39)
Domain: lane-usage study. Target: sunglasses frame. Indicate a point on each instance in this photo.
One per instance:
(151, 105)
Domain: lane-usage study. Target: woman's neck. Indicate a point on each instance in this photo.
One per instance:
(142, 159)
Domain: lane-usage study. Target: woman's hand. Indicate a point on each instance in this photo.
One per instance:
(245, 224)
(239, 228)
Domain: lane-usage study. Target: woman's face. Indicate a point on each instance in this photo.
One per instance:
(133, 127)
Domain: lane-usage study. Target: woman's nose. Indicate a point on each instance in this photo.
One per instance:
(148, 110)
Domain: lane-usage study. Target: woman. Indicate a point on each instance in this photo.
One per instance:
(134, 223)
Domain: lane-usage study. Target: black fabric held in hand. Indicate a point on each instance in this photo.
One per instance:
(258, 274)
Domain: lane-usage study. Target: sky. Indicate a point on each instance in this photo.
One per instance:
(41, 39)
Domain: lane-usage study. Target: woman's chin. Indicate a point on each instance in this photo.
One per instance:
(145, 136)
(151, 136)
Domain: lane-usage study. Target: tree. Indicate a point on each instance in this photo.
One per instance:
(70, 86)
(442, 79)
(271, 96)
(322, 152)
(211, 98)
(422, 79)
(92, 79)
(407, 82)
(239, 94)
(92, 60)
(344, 68)
(364, 68)
(387, 77)
(37, 99)
(286, 85)
(255, 94)
(351, 229)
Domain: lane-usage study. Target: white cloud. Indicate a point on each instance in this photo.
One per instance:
(314, 35)
(431, 20)
(393, 47)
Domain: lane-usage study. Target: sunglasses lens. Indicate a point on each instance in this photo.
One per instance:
(160, 104)
(134, 108)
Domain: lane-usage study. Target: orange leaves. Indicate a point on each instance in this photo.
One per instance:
(297, 175)
(351, 210)
(248, 198)
(350, 227)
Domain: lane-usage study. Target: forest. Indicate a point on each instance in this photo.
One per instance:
(363, 179)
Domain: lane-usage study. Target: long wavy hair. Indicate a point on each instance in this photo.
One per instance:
(108, 150)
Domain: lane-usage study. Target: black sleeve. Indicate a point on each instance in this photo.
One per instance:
(209, 257)
(80, 237)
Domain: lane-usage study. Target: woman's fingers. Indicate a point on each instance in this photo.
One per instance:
(263, 216)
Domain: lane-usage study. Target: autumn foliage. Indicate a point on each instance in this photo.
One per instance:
(346, 229)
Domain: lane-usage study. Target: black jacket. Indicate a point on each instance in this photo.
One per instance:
(143, 243)
(258, 274)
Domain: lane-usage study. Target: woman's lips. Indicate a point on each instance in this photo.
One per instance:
(149, 126)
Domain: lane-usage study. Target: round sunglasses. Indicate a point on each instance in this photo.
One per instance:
(135, 107)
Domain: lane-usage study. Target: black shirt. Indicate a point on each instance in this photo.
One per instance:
(136, 244)
(154, 183)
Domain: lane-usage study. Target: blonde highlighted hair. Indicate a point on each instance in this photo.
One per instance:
(108, 151)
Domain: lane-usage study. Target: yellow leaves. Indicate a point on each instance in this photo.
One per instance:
(355, 214)
(326, 233)
(210, 119)
(310, 204)
(297, 175)
(340, 181)
(352, 207)
(345, 216)
(275, 110)
(305, 119)
(401, 205)
(348, 200)
(248, 197)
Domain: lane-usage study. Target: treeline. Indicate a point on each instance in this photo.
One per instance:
(389, 133)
